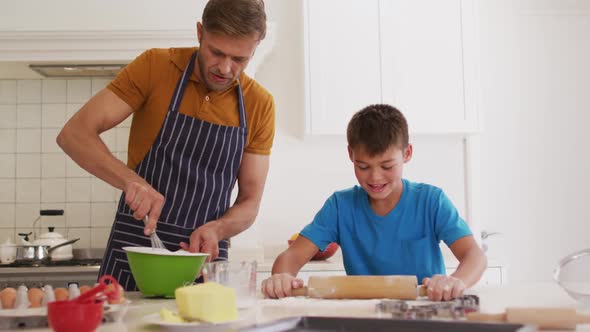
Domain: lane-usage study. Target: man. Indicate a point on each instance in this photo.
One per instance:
(199, 123)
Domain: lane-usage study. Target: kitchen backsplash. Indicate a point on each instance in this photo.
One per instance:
(36, 174)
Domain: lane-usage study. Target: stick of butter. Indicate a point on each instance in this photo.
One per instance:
(209, 302)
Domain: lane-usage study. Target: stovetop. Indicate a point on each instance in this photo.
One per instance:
(71, 262)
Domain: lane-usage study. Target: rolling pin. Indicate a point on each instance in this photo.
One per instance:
(544, 318)
(362, 287)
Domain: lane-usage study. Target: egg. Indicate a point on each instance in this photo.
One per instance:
(35, 297)
(121, 298)
(8, 297)
(84, 289)
(61, 294)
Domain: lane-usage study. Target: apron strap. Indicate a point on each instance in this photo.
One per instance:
(241, 107)
(181, 85)
(183, 82)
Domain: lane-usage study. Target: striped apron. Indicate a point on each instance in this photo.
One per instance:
(194, 164)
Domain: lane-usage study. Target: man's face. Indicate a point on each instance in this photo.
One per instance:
(380, 175)
(221, 58)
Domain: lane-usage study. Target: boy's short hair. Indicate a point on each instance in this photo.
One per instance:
(376, 128)
(235, 18)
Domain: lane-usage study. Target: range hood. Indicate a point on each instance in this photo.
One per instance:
(77, 70)
(25, 54)
(73, 54)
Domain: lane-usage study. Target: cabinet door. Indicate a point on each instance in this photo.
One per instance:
(342, 62)
(423, 63)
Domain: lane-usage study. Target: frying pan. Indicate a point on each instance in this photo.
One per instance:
(37, 253)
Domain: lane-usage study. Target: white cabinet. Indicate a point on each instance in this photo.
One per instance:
(422, 62)
(342, 61)
(414, 54)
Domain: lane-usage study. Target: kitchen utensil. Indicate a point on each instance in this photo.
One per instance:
(69, 316)
(362, 287)
(241, 276)
(158, 272)
(544, 318)
(573, 275)
(7, 252)
(97, 293)
(154, 238)
(38, 253)
(458, 308)
(53, 239)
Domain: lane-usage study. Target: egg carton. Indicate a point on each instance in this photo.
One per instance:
(25, 314)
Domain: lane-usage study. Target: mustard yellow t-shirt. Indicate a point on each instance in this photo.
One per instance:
(147, 85)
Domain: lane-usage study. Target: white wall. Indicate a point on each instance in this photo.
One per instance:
(536, 107)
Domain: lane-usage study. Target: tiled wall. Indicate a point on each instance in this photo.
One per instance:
(36, 174)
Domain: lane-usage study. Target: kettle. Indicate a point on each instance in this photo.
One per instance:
(52, 239)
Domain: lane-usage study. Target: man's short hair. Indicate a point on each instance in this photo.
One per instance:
(235, 18)
(376, 128)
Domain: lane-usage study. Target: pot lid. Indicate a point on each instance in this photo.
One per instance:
(51, 234)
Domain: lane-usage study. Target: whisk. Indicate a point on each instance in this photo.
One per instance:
(156, 242)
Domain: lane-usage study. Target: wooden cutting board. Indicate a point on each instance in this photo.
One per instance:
(362, 287)
(543, 318)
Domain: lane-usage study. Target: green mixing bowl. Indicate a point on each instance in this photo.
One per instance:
(158, 272)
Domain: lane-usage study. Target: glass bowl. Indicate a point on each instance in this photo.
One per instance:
(573, 275)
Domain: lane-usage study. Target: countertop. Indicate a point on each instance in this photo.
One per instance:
(493, 299)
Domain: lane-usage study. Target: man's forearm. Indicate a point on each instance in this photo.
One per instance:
(93, 155)
(237, 218)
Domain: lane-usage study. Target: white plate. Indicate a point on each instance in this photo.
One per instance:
(156, 319)
(163, 252)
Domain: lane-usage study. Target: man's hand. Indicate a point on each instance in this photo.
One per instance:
(204, 239)
(280, 285)
(144, 200)
(441, 287)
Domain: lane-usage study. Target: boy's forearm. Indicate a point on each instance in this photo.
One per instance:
(285, 263)
(471, 267)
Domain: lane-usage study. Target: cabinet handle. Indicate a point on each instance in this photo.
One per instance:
(485, 234)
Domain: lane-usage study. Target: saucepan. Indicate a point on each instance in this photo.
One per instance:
(37, 253)
(573, 275)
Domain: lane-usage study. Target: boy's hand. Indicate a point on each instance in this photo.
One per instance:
(441, 287)
(280, 285)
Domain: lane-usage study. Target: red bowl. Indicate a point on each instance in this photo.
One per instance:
(68, 316)
(321, 255)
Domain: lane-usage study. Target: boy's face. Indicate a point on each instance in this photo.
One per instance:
(380, 175)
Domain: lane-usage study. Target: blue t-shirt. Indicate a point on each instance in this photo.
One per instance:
(404, 242)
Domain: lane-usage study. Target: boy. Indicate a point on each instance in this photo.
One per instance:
(387, 225)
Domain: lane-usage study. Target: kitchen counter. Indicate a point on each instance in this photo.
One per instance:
(493, 299)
